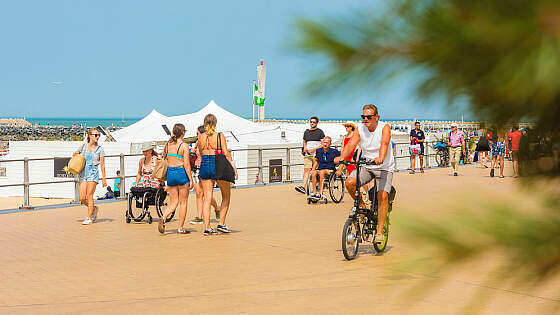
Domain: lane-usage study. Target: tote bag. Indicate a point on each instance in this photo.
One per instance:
(160, 167)
(77, 163)
(414, 148)
(224, 170)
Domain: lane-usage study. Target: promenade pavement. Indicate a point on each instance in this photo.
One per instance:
(283, 257)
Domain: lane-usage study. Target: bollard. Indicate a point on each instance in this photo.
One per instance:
(260, 165)
(123, 179)
(26, 185)
(288, 176)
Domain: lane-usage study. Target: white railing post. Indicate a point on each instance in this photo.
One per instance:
(123, 179)
(26, 184)
(76, 188)
(288, 159)
(260, 165)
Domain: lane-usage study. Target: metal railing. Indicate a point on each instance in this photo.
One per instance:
(260, 166)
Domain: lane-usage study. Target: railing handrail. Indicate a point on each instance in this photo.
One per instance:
(26, 184)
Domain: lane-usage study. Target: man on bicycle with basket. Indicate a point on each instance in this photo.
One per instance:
(374, 138)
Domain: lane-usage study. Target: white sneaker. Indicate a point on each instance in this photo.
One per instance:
(94, 214)
(87, 221)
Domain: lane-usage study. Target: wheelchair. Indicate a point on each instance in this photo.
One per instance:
(141, 198)
(334, 183)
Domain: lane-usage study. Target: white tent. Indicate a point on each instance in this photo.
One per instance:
(150, 127)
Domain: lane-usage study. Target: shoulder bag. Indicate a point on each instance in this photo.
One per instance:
(224, 169)
(160, 168)
(77, 163)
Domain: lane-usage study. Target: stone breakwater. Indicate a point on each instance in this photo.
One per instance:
(24, 133)
(17, 122)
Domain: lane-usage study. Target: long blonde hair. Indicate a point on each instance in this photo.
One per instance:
(210, 122)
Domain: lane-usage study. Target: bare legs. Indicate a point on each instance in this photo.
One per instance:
(208, 190)
(200, 200)
(85, 192)
(173, 201)
(225, 189)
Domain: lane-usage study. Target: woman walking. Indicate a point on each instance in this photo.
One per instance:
(197, 186)
(89, 177)
(179, 178)
(211, 143)
(498, 153)
(482, 147)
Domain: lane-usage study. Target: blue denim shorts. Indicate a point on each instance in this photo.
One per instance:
(90, 174)
(208, 167)
(176, 176)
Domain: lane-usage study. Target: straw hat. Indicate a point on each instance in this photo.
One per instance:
(349, 123)
(148, 146)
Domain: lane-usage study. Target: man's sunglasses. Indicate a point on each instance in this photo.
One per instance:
(312, 122)
(367, 116)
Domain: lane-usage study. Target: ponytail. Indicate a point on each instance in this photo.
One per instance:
(210, 122)
(178, 132)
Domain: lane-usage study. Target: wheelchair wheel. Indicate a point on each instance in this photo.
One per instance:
(135, 213)
(162, 199)
(336, 187)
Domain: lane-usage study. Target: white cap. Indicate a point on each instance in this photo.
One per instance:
(453, 124)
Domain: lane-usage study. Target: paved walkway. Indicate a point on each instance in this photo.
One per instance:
(284, 257)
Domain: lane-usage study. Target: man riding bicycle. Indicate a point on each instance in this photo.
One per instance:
(374, 138)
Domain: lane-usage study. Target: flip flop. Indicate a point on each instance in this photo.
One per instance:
(161, 225)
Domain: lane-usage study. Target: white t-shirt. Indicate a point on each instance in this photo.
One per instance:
(370, 142)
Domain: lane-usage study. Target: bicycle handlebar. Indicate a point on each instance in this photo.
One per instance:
(359, 162)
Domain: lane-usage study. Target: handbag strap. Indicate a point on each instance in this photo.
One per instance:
(219, 144)
(165, 151)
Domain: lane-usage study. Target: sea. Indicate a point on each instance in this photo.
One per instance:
(68, 122)
(120, 122)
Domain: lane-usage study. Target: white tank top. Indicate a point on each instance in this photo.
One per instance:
(370, 142)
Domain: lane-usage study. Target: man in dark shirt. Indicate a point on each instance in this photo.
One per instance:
(325, 162)
(417, 137)
(311, 142)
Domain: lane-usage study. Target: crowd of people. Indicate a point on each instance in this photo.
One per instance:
(370, 139)
(209, 151)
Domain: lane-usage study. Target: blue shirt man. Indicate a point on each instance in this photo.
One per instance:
(325, 161)
(117, 185)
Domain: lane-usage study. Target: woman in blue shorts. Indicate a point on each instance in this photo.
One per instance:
(208, 146)
(179, 178)
(89, 177)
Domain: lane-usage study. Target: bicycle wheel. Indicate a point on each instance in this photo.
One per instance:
(162, 200)
(350, 236)
(381, 247)
(135, 213)
(336, 187)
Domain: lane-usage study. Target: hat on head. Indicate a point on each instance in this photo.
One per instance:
(147, 146)
(453, 124)
(349, 123)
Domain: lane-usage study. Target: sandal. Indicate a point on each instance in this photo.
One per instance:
(161, 225)
(183, 231)
(421, 170)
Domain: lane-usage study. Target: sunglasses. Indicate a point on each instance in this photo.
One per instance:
(312, 122)
(95, 134)
(368, 117)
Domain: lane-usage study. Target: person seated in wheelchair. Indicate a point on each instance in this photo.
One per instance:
(323, 166)
(145, 180)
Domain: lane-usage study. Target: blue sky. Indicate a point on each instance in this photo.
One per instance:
(110, 58)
